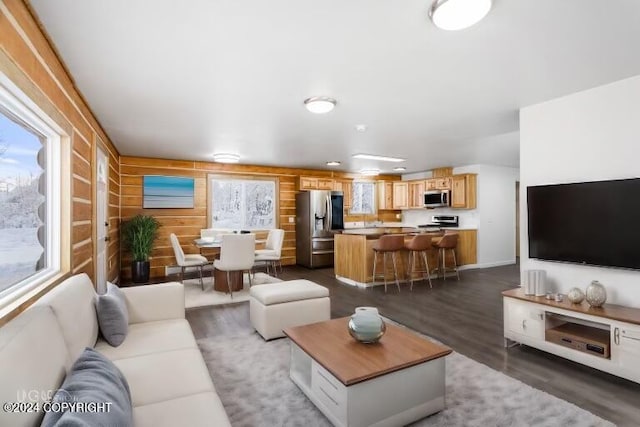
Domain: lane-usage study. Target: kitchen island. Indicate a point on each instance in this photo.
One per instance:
(353, 263)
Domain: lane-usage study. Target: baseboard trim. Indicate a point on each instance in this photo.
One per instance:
(486, 265)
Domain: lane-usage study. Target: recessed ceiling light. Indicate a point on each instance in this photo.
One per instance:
(400, 169)
(458, 14)
(319, 104)
(226, 158)
(333, 163)
(381, 158)
(370, 172)
(361, 128)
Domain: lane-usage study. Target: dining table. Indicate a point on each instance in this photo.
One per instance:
(211, 249)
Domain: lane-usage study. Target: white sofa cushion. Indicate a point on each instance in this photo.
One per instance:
(165, 376)
(33, 359)
(202, 409)
(72, 301)
(155, 302)
(149, 338)
(292, 290)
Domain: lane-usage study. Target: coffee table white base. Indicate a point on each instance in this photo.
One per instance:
(393, 399)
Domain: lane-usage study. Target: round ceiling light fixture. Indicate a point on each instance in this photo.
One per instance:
(319, 104)
(455, 15)
(226, 158)
(333, 163)
(400, 169)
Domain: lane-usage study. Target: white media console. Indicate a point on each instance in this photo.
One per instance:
(605, 338)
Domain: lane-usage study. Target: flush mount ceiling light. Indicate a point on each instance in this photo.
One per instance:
(361, 128)
(333, 163)
(370, 172)
(400, 169)
(381, 158)
(319, 104)
(226, 158)
(458, 14)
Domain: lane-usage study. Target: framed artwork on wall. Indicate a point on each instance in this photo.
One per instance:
(167, 192)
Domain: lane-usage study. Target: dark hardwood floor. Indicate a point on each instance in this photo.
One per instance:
(467, 316)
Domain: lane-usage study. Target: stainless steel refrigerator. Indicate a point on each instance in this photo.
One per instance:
(319, 215)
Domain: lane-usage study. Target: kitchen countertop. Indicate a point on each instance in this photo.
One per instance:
(381, 230)
(375, 233)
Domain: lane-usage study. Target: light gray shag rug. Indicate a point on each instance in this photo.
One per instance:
(194, 296)
(251, 377)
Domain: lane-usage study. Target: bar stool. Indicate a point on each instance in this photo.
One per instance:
(420, 244)
(448, 242)
(387, 244)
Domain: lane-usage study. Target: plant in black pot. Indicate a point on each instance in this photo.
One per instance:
(139, 235)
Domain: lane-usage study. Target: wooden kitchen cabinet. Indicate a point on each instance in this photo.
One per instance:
(307, 183)
(345, 187)
(443, 183)
(325, 184)
(467, 248)
(311, 183)
(401, 195)
(385, 195)
(463, 191)
(416, 194)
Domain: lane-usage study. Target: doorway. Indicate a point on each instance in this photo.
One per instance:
(517, 221)
(102, 223)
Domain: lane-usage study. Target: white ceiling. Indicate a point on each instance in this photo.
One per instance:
(185, 79)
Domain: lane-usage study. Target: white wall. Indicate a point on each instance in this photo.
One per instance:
(587, 136)
(494, 217)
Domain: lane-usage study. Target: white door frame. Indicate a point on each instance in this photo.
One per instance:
(102, 220)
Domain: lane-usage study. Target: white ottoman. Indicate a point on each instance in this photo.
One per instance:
(276, 306)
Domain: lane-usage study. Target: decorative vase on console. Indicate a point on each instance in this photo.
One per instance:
(575, 295)
(366, 325)
(596, 294)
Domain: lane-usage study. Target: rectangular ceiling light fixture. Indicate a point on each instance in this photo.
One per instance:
(381, 158)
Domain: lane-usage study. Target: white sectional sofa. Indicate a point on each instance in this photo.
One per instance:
(169, 381)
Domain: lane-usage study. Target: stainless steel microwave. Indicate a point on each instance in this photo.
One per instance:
(437, 198)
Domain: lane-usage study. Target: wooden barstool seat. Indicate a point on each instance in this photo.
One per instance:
(419, 244)
(448, 242)
(388, 244)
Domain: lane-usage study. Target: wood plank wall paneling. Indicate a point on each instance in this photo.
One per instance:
(187, 223)
(28, 58)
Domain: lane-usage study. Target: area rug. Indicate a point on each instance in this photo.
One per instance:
(194, 296)
(251, 377)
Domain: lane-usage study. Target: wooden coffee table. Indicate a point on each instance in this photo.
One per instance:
(394, 382)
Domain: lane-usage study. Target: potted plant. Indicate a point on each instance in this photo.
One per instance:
(139, 235)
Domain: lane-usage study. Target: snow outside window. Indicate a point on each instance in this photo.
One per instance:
(29, 197)
(363, 197)
(242, 204)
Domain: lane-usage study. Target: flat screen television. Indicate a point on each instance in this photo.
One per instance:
(595, 223)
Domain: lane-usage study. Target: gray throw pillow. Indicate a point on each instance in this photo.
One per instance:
(113, 317)
(92, 380)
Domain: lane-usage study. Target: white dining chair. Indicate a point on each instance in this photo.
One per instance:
(189, 260)
(236, 254)
(271, 255)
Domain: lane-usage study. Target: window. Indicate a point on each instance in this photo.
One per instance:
(363, 197)
(242, 204)
(29, 196)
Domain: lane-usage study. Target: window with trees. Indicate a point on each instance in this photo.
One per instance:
(242, 203)
(29, 196)
(363, 197)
